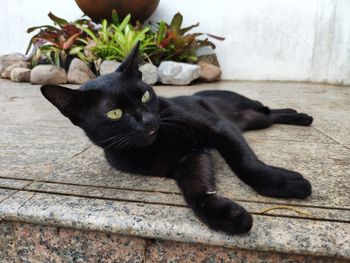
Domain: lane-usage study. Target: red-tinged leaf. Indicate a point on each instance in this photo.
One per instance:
(59, 21)
(48, 35)
(186, 29)
(216, 37)
(46, 41)
(31, 29)
(169, 36)
(29, 46)
(204, 43)
(70, 41)
(70, 30)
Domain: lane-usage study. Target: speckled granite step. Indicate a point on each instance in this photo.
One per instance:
(55, 186)
(166, 222)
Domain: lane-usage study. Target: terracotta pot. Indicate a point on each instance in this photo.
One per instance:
(99, 9)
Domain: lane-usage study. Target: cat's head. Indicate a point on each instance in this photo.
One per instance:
(116, 109)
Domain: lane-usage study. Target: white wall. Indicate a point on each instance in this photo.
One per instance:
(289, 40)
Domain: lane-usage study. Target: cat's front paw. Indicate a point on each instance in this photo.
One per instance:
(221, 214)
(282, 183)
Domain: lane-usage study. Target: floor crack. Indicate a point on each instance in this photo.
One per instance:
(26, 201)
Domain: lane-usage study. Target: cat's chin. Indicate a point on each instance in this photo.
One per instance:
(145, 140)
(149, 139)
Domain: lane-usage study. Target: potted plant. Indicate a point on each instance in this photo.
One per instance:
(98, 10)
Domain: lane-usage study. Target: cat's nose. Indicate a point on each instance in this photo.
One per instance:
(148, 120)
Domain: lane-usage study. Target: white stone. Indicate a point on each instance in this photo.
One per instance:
(48, 74)
(6, 74)
(20, 74)
(149, 73)
(9, 60)
(79, 72)
(108, 67)
(209, 73)
(176, 73)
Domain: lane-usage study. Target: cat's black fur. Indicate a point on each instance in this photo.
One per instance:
(173, 137)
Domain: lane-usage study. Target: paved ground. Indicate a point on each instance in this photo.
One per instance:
(50, 174)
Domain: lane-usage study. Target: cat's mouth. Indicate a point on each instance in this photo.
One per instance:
(151, 132)
(149, 136)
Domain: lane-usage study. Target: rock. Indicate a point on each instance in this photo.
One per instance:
(209, 73)
(108, 66)
(48, 74)
(149, 73)
(9, 60)
(209, 59)
(88, 50)
(20, 74)
(6, 74)
(79, 72)
(176, 73)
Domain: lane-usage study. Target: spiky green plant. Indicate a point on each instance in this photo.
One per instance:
(114, 41)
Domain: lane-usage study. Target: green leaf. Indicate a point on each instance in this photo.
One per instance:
(76, 50)
(89, 32)
(82, 40)
(104, 30)
(176, 22)
(57, 58)
(125, 22)
(115, 18)
(82, 57)
(161, 32)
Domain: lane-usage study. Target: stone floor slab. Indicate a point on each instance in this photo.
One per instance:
(23, 104)
(335, 125)
(13, 183)
(290, 133)
(31, 152)
(5, 193)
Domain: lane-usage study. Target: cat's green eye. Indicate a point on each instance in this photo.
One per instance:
(146, 97)
(115, 114)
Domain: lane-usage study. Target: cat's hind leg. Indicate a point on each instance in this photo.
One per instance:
(300, 119)
(253, 120)
(195, 177)
(285, 110)
(264, 117)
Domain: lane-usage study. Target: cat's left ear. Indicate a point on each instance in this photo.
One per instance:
(130, 65)
(68, 101)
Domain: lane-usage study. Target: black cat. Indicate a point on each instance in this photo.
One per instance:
(145, 134)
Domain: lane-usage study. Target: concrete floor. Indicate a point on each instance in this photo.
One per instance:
(51, 175)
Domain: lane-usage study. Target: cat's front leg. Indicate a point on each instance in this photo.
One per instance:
(194, 175)
(265, 179)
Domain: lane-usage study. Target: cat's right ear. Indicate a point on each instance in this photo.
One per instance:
(130, 65)
(68, 101)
